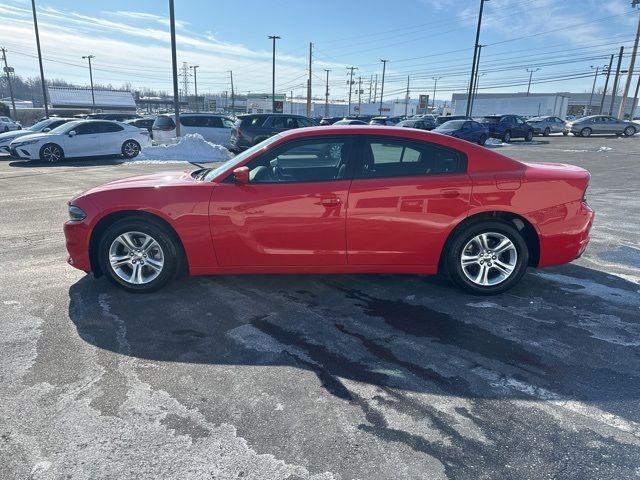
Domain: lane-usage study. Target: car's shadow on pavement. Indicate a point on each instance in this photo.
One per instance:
(568, 333)
(72, 162)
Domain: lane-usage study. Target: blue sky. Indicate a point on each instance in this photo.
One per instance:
(421, 38)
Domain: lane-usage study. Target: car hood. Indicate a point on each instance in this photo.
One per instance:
(14, 134)
(32, 136)
(155, 180)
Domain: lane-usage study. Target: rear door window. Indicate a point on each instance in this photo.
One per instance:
(382, 158)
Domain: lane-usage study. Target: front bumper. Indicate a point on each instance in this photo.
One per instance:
(77, 236)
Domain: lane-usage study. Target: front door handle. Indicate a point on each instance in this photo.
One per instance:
(450, 193)
(331, 202)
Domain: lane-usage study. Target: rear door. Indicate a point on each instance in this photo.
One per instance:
(403, 199)
(292, 213)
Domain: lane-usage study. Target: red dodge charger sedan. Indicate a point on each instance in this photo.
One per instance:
(337, 200)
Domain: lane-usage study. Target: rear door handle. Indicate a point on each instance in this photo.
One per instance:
(450, 192)
(331, 202)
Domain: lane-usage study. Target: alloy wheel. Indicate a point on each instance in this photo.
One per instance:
(131, 149)
(51, 153)
(136, 257)
(489, 259)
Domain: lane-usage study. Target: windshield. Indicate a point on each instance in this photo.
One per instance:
(230, 164)
(36, 127)
(66, 127)
(452, 125)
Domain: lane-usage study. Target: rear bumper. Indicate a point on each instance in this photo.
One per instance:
(564, 232)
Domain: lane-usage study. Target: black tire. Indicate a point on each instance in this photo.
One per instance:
(565, 133)
(51, 153)
(6, 129)
(171, 253)
(506, 136)
(130, 149)
(483, 140)
(629, 131)
(454, 251)
(547, 132)
(585, 132)
(529, 136)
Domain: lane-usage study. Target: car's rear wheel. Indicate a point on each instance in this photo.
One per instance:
(565, 133)
(629, 131)
(51, 153)
(130, 149)
(547, 132)
(487, 258)
(506, 137)
(483, 140)
(6, 129)
(585, 132)
(138, 255)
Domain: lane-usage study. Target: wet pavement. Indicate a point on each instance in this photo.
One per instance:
(320, 377)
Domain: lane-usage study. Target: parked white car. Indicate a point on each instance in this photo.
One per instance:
(215, 128)
(6, 124)
(81, 138)
(43, 126)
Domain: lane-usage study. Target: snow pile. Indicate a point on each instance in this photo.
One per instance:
(494, 142)
(191, 148)
(604, 149)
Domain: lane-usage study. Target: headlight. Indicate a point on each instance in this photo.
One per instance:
(76, 213)
(26, 142)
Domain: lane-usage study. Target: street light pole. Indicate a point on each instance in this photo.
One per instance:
(530, 77)
(195, 83)
(606, 84)
(435, 86)
(384, 67)
(8, 71)
(475, 55)
(595, 77)
(174, 65)
(326, 96)
(273, 74)
(44, 87)
(93, 98)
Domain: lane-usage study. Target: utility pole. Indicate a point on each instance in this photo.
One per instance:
(291, 102)
(8, 71)
(531, 72)
(475, 91)
(406, 98)
(384, 67)
(606, 84)
(370, 87)
(435, 85)
(93, 98)
(475, 55)
(375, 90)
(174, 65)
(593, 87)
(360, 95)
(632, 63)
(44, 87)
(326, 96)
(273, 74)
(635, 98)
(475, 80)
(351, 69)
(195, 83)
(233, 97)
(614, 91)
(309, 81)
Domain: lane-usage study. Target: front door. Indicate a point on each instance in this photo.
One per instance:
(292, 211)
(85, 143)
(404, 197)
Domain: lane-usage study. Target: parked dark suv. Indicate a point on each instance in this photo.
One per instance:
(250, 130)
(506, 127)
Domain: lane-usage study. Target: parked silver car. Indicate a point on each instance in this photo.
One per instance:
(604, 124)
(546, 125)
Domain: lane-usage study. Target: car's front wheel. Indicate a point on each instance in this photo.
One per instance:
(529, 136)
(487, 258)
(585, 132)
(130, 149)
(51, 153)
(506, 137)
(483, 140)
(138, 255)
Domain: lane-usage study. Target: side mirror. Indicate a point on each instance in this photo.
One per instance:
(241, 175)
(72, 133)
(46, 130)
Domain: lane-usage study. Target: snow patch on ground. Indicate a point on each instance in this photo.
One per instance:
(191, 148)
(604, 149)
(494, 142)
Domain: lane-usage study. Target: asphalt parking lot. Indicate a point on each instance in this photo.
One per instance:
(320, 377)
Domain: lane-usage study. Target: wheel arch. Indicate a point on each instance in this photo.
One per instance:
(524, 226)
(105, 222)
